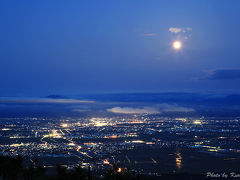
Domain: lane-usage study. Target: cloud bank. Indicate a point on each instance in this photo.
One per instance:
(130, 110)
(181, 32)
(161, 108)
(177, 30)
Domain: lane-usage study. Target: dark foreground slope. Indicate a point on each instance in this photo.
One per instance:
(11, 168)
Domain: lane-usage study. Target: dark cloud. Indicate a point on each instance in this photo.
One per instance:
(221, 74)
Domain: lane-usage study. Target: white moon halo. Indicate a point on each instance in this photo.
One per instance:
(177, 45)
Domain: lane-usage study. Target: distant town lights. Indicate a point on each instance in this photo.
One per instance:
(197, 122)
(64, 125)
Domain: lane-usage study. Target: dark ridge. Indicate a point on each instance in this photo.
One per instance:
(12, 168)
(57, 96)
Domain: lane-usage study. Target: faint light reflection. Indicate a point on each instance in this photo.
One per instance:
(179, 160)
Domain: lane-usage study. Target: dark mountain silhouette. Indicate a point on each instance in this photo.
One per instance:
(11, 168)
(56, 96)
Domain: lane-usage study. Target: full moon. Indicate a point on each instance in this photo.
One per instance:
(177, 45)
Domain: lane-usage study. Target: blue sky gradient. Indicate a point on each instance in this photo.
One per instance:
(70, 47)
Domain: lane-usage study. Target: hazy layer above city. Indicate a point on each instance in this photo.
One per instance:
(131, 103)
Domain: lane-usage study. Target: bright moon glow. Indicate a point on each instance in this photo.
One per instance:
(177, 45)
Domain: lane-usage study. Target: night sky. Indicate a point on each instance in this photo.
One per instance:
(82, 46)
